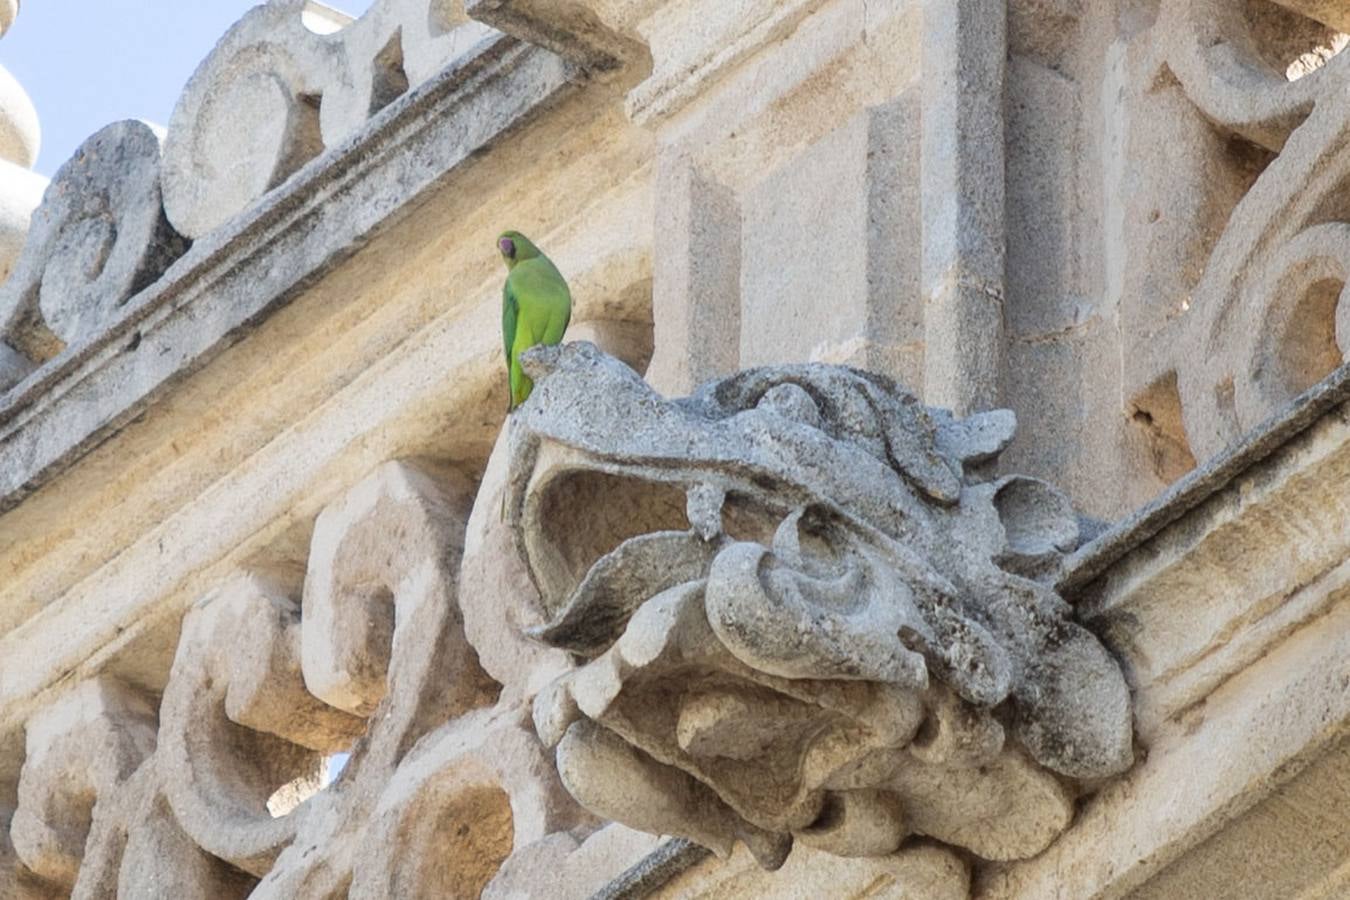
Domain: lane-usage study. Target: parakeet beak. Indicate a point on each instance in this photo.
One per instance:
(508, 248)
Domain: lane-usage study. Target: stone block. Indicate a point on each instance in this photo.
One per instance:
(804, 252)
(696, 279)
(838, 221)
(1045, 202)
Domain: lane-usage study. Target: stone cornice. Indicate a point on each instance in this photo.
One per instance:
(1098, 555)
(258, 261)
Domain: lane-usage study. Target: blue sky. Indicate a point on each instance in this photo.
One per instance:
(86, 63)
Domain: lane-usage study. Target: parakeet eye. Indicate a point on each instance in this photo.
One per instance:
(508, 247)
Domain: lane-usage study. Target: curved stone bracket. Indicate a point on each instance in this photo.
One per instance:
(238, 722)
(274, 94)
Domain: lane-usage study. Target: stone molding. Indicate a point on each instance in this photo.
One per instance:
(255, 262)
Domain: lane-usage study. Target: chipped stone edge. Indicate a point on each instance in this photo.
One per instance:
(654, 871)
(1094, 558)
(262, 259)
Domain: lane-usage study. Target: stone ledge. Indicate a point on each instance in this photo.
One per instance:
(667, 862)
(235, 277)
(1095, 557)
(1225, 601)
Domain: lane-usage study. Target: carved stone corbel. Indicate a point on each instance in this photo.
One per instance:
(804, 610)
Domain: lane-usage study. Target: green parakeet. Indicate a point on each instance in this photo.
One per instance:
(536, 306)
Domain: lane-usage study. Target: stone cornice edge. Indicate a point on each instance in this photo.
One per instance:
(238, 274)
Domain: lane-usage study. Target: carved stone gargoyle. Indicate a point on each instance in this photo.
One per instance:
(802, 608)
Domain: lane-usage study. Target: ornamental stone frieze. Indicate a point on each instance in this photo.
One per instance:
(796, 606)
(153, 251)
(290, 608)
(278, 90)
(1272, 292)
(201, 793)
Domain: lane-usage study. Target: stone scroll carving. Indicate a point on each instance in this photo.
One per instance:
(274, 94)
(218, 792)
(237, 722)
(98, 237)
(1267, 317)
(80, 750)
(803, 609)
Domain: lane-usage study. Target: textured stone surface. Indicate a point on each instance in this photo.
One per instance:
(696, 290)
(1165, 182)
(79, 752)
(79, 398)
(239, 722)
(763, 663)
(273, 94)
(924, 872)
(562, 866)
(598, 39)
(98, 237)
(965, 52)
(442, 784)
(499, 598)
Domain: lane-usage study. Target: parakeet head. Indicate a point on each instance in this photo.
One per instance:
(515, 247)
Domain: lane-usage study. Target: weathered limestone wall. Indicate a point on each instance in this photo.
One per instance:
(259, 504)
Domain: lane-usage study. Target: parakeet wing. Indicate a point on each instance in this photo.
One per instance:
(557, 323)
(510, 314)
